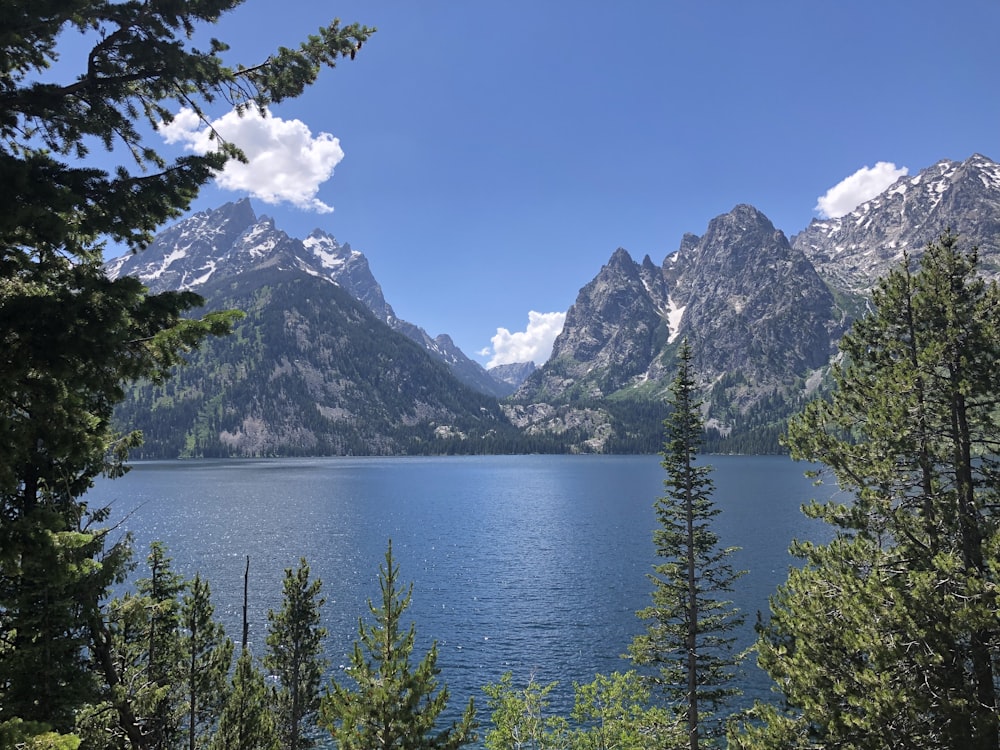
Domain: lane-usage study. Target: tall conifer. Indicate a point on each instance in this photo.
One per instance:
(71, 337)
(161, 595)
(690, 636)
(207, 655)
(888, 635)
(295, 656)
(246, 721)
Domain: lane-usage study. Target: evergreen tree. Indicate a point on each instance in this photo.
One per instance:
(71, 337)
(141, 647)
(207, 657)
(44, 567)
(689, 638)
(294, 656)
(614, 713)
(246, 722)
(888, 636)
(160, 595)
(394, 706)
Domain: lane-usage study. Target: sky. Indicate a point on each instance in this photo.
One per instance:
(489, 157)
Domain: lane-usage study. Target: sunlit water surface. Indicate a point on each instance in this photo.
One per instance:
(532, 564)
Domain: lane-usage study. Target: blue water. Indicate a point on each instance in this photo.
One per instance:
(534, 564)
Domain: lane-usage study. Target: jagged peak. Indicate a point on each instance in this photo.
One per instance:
(621, 255)
(742, 218)
(321, 234)
(240, 210)
(747, 212)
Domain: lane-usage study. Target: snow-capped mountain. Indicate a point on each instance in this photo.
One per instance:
(763, 314)
(853, 251)
(229, 241)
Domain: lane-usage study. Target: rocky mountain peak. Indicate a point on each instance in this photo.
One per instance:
(753, 307)
(621, 260)
(752, 303)
(854, 250)
(232, 240)
(185, 255)
(611, 332)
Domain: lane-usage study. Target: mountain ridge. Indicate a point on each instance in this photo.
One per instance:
(763, 313)
(230, 240)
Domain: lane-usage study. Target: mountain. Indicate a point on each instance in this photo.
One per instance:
(322, 364)
(757, 314)
(309, 371)
(751, 302)
(763, 314)
(852, 251)
(229, 241)
(512, 374)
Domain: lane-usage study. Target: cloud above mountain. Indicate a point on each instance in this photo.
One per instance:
(534, 344)
(286, 164)
(859, 187)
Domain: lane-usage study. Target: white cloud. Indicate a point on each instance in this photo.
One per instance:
(286, 163)
(531, 345)
(861, 186)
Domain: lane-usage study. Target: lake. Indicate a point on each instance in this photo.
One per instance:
(533, 564)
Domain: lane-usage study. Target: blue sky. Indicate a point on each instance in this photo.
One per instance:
(491, 156)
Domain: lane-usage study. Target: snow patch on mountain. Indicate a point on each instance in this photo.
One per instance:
(674, 317)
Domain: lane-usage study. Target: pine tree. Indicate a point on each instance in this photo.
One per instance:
(207, 657)
(246, 722)
(611, 713)
(140, 647)
(161, 596)
(71, 337)
(394, 706)
(44, 568)
(690, 636)
(888, 634)
(294, 656)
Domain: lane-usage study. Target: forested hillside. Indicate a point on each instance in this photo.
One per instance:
(310, 371)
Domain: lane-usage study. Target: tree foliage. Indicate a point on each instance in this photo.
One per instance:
(522, 717)
(888, 635)
(690, 636)
(613, 712)
(245, 722)
(207, 655)
(395, 705)
(295, 656)
(71, 338)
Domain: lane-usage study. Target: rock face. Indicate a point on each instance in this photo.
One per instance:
(611, 333)
(751, 302)
(852, 251)
(512, 375)
(754, 309)
(763, 314)
(226, 242)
